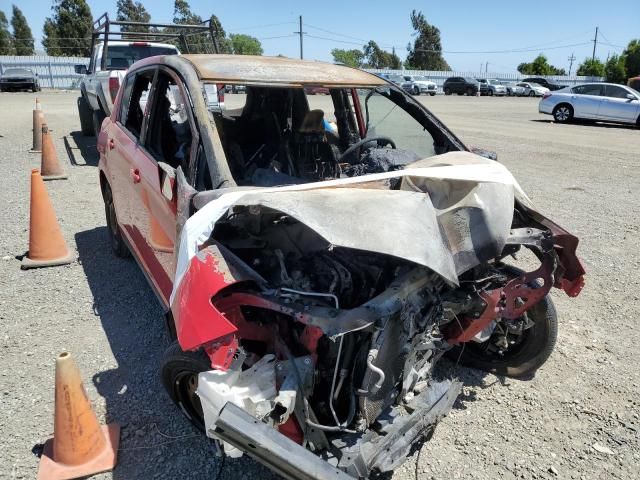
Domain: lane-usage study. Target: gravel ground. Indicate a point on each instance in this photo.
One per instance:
(578, 418)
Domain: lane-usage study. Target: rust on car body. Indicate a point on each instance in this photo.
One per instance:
(258, 70)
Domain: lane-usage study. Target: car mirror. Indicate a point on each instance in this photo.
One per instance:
(167, 180)
(631, 97)
(80, 69)
(484, 153)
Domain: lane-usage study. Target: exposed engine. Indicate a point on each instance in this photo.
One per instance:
(335, 346)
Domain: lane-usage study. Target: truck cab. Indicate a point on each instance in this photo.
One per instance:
(104, 75)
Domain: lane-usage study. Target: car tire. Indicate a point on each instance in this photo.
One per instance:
(470, 92)
(416, 91)
(433, 94)
(179, 375)
(34, 88)
(490, 93)
(531, 354)
(532, 93)
(562, 113)
(97, 117)
(116, 239)
(86, 120)
(447, 91)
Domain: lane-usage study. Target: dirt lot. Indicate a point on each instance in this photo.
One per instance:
(578, 418)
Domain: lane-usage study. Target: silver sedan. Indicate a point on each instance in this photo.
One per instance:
(606, 102)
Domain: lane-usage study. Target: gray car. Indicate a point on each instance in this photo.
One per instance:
(606, 102)
(494, 87)
(19, 79)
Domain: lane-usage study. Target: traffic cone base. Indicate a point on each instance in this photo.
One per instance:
(28, 263)
(49, 469)
(55, 177)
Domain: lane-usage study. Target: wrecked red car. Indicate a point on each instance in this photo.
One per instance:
(316, 260)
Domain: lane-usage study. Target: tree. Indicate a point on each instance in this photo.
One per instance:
(245, 44)
(375, 57)
(426, 53)
(6, 41)
(224, 44)
(540, 66)
(631, 56)
(22, 37)
(591, 68)
(351, 58)
(183, 15)
(68, 30)
(614, 70)
(130, 11)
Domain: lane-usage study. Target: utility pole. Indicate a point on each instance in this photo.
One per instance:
(571, 59)
(480, 68)
(301, 33)
(595, 42)
(486, 68)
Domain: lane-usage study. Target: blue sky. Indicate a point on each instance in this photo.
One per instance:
(557, 28)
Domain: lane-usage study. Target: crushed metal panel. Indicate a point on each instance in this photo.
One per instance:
(413, 220)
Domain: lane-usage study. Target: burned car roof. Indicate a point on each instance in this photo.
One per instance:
(252, 69)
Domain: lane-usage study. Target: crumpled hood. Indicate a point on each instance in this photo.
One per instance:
(451, 212)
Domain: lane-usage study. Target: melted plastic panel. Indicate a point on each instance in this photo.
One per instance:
(403, 223)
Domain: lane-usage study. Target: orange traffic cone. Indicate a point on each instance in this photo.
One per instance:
(46, 243)
(38, 120)
(80, 445)
(50, 167)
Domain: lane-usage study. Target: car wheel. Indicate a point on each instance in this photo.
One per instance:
(563, 113)
(86, 120)
(118, 244)
(98, 117)
(447, 91)
(179, 374)
(526, 353)
(470, 91)
(433, 94)
(34, 88)
(490, 93)
(532, 93)
(416, 91)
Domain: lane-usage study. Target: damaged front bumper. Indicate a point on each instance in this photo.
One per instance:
(398, 432)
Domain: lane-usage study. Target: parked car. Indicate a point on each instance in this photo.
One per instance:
(463, 86)
(543, 82)
(607, 102)
(494, 87)
(513, 89)
(19, 79)
(532, 89)
(397, 79)
(316, 90)
(416, 84)
(310, 281)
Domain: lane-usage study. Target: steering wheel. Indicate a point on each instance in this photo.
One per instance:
(382, 141)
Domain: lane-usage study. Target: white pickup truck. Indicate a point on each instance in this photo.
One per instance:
(99, 87)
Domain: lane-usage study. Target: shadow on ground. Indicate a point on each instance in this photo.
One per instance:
(81, 150)
(590, 123)
(156, 440)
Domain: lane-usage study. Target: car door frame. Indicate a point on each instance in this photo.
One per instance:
(120, 176)
(611, 104)
(585, 105)
(159, 219)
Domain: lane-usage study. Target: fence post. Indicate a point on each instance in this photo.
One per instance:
(50, 74)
